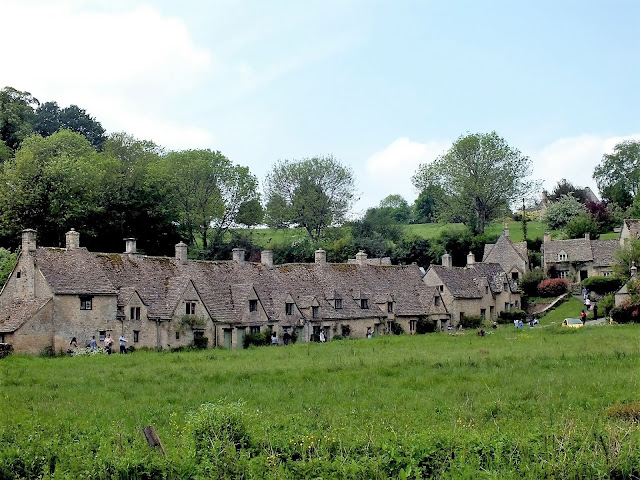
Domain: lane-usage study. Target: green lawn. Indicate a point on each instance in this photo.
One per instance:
(529, 403)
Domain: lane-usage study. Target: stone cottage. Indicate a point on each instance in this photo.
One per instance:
(578, 258)
(512, 257)
(55, 294)
(483, 289)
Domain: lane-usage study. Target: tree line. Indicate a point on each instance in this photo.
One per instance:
(60, 170)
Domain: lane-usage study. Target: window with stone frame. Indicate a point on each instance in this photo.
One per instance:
(136, 336)
(190, 308)
(364, 303)
(1, 337)
(177, 335)
(338, 303)
(483, 313)
(253, 305)
(563, 274)
(389, 307)
(254, 329)
(102, 334)
(86, 303)
(288, 308)
(412, 325)
(315, 312)
(514, 275)
(562, 256)
(134, 313)
(436, 301)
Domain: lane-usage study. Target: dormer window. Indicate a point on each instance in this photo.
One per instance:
(338, 303)
(190, 308)
(364, 303)
(562, 256)
(315, 312)
(506, 286)
(486, 289)
(253, 305)
(441, 287)
(134, 313)
(389, 307)
(436, 301)
(18, 274)
(288, 308)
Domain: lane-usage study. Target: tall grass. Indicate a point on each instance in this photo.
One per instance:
(514, 403)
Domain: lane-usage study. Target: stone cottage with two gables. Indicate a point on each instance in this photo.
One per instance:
(483, 289)
(578, 258)
(55, 294)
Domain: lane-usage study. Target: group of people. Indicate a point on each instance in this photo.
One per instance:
(589, 306)
(108, 344)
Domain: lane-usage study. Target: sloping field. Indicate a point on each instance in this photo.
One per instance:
(546, 402)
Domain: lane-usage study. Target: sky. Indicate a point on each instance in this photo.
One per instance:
(383, 86)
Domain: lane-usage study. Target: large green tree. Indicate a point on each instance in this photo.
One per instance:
(49, 118)
(481, 175)
(207, 190)
(16, 116)
(618, 174)
(313, 193)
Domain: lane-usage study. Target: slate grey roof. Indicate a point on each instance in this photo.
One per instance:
(466, 282)
(73, 272)
(19, 312)
(600, 252)
(506, 253)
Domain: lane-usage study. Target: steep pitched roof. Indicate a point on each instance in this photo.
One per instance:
(18, 313)
(460, 281)
(495, 275)
(582, 250)
(73, 272)
(506, 253)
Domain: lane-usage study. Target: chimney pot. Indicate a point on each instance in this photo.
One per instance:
(130, 245)
(587, 236)
(238, 255)
(181, 253)
(72, 239)
(447, 261)
(361, 258)
(471, 259)
(28, 240)
(266, 258)
(320, 256)
(547, 237)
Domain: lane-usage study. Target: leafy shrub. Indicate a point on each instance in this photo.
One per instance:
(425, 326)
(552, 287)
(337, 337)
(201, 342)
(471, 321)
(396, 328)
(583, 223)
(607, 303)
(221, 440)
(603, 285)
(629, 313)
(560, 212)
(257, 339)
(511, 315)
(529, 282)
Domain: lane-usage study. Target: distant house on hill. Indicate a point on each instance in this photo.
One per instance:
(512, 257)
(55, 294)
(578, 258)
(483, 289)
(630, 231)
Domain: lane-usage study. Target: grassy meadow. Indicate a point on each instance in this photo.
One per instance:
(547, 402)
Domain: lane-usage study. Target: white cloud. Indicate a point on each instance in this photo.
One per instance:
(390, 170)
(111, 64)
(573, 158)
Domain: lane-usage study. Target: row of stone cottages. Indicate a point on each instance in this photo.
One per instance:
(55, 294)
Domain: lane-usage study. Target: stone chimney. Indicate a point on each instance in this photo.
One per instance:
(547, 237)
(181, 253)
(28, 240)
(634, 270)
(130, 245)
(361, 258)
(506, 232)
(471, 259)
(238, 255)
(266, 258)
(587, 237)
(447, 261)
(320, 256)
(72, 239)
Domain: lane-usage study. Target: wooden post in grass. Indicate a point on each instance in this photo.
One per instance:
(152, 437)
